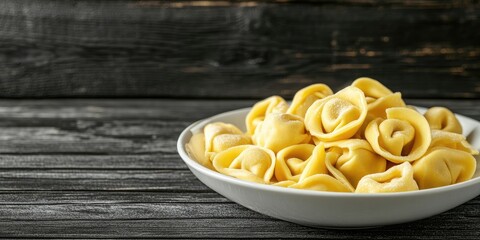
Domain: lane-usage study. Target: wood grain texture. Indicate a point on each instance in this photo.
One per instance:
(233, 228)
(251, 49)
(80, 169)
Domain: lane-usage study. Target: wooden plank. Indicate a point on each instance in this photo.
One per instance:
(92, 179)
(53, 111)
(139, 205)
(111, 197)
(235, 49)
(119, 211)
(438, 227)
(42, 214)
(107, 137)
(152, 161)
(95, 146)
(120, 197)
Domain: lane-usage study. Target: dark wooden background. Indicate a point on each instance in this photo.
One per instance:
(236, 49)
(93, 96)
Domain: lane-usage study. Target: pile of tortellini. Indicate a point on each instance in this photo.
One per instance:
(361, 139)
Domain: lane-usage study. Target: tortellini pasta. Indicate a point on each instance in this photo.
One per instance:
(321, 182)
(379, 98)
(221, 136)
(451, 140)
(280, 130)
(338, 116)
(314, 176)
(441, 118)
(361, 139)
(449, 160)
(354, 158)
(305, 97)
(261, 109)
(404, 136)
(443, 166)
(196, 149)
(247, 162)
(377, 108)
(372, 88)
(291, 161)
(396, 179)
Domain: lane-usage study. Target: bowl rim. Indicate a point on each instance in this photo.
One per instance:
(191, 163)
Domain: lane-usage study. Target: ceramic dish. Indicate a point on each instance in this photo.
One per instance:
(331, 209)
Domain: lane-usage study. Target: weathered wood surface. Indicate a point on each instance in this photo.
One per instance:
(109, 169)
(180, 49)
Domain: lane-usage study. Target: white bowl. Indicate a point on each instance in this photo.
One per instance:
(331, 209)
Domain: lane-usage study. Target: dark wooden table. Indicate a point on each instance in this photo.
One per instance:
(104, 168)
(94, 93)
